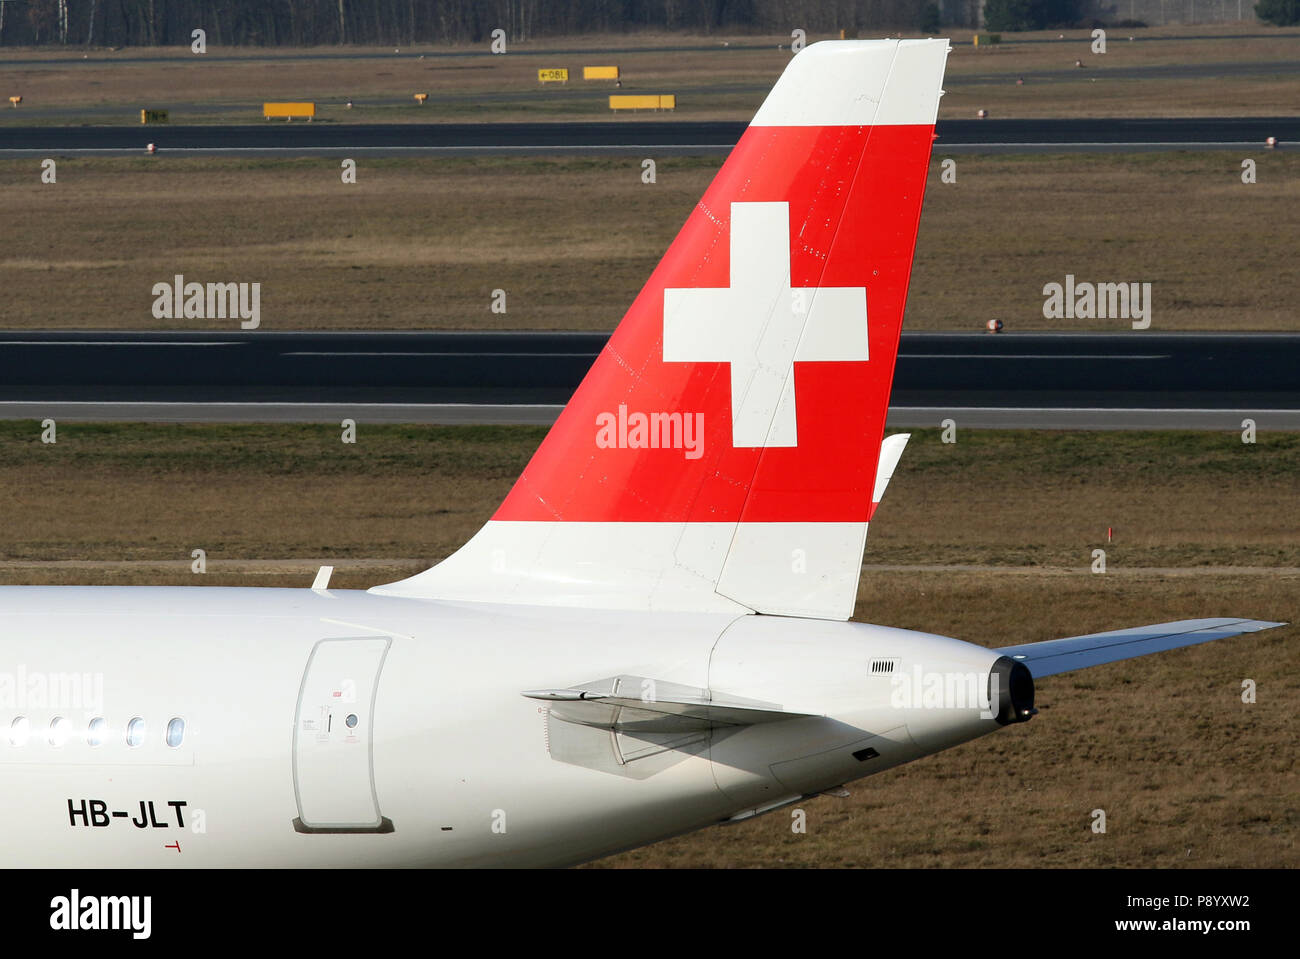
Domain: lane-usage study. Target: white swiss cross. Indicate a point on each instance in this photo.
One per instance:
(762, 327)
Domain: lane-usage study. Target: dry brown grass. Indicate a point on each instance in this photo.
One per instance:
(1187, 774)
(1216, 253)
(413, 244)
(421, 243)
(712, 81)
(477, 88)
(993, 499)
(138, 492)
(1094, 94)
(1047, 499)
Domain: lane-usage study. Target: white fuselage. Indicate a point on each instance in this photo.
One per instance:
(344, 728)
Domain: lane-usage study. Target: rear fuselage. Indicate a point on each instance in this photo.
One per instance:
(253, 727)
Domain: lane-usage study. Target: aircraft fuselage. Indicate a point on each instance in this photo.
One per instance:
(340, 728)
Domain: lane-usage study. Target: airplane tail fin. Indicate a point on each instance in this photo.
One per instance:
(725, 452)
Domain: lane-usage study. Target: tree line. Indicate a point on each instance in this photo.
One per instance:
(120, 23)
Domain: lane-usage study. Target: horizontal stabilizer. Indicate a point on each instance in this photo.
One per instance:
(891, 451)
(1079, 652)
(659, 707)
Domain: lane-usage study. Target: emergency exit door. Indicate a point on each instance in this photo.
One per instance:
(333, 738)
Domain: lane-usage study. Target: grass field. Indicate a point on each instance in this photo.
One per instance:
(1032, 500)
(715, 77)
(1188, 775)
(422, 243)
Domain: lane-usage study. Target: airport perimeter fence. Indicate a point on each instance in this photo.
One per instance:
(1154, 13)
(1159, 13)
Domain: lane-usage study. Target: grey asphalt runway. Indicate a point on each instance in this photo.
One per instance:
(454, 414)
(622, 137)
(1133, 380)
(437, 414)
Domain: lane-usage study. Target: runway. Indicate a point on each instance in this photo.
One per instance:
(452, 414)
(1136, 380)
(620, 137)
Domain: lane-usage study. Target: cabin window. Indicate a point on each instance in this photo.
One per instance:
(19, 730)
(135, 730)
(97, 732)
(175, 732)
(59, 730)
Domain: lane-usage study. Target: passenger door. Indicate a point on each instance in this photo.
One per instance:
(333, 738)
